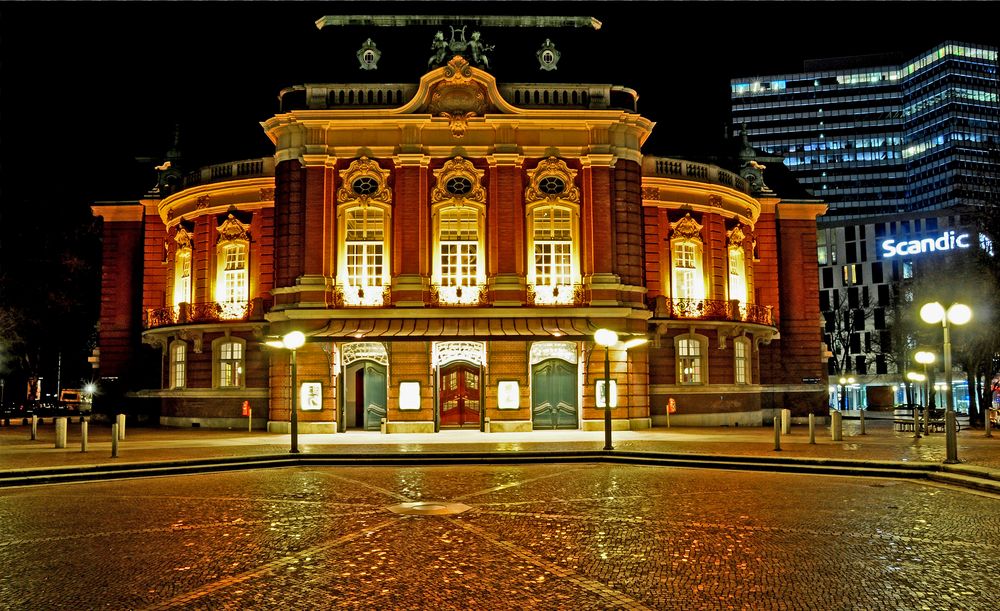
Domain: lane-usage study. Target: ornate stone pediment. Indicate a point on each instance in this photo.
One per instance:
(687, 228)
(183, 238)
(458, 97)
(366, 181)
(552, 180)
(458, 179)
(233, 230)
(736, 236)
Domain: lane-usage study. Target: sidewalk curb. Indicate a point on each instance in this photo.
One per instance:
(965, 476)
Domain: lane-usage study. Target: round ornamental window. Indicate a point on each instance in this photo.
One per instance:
(458, 185)
(365, 185)
(551, 185)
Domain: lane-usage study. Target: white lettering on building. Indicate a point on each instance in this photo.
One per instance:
(947, 241)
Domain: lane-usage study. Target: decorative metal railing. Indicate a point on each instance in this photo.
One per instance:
(196, 313)
(347, 296)
(556, 295)
(447, 296)
(712, 309)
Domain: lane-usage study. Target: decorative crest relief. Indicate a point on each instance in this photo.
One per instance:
(203, 202)
(687, 228)
(650, 193)
(736, 236)
(552, 180)
(548, 56)
(475, 48)
(458, 97)
(715, 200)
(232, 230)
(364, 180)
(369, 55)
(458, 179)
(183, 238)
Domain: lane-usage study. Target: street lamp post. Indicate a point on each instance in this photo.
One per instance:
(925, 358)
(292, 341)
(957, 314)
(913, 376)
(607, 338)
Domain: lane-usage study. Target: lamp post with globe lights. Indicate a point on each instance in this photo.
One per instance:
(607, 338)
(292, 341)
(956, 314)
(925, 358)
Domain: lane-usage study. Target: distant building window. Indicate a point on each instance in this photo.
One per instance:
(907, 269)
(229, 359)
(178, 364)
(741, 357)
(691, 350)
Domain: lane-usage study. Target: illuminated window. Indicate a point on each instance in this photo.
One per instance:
(458, 240)
(741, 360)
(554, 269)
(688, 277)
(229, 360)
(737, 275)
(182, 276)
(458, 212)
(232, 288)
(691, 350)
(364, 249)
(178, 364)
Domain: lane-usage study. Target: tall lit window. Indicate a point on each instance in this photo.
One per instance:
(741, 357)
(178, 365)
(182, 276)
(689, 360)
(738, 276)
(364, 249)
(459, 240)
(232, 285)
(229, 363)
(688, 277)
(458, 208)
(552, 243)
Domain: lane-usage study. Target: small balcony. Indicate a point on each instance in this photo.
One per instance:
(712, 309)
(448, 296)
(349, 296)
(556, 295)
(210, 312)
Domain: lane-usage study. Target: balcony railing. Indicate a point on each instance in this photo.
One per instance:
(194, 313)
(245, 168)
(712, 309)
(447, 296)
(692, 170)
(361, 296)
(556, 295)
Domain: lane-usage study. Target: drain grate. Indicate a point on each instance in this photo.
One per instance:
(429, 508)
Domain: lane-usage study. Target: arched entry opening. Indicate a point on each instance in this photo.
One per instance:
(459, 384)
(554, 385)
(365, 383)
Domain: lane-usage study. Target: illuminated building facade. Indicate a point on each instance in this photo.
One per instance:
(874, 139)
(449, 248)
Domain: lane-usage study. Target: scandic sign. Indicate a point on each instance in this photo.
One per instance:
(947, 241)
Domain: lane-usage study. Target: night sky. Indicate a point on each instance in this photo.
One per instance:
(86, 87)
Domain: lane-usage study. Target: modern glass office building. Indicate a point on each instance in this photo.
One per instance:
(875, 138)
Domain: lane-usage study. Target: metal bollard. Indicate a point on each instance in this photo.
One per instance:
(83, 435)
(812, 428)
(34, 427)
(916, 423)
(786, 422)
(777, 435)
(486, 425)
(60, 432)
(114, 440)
(382, 426)
(836, 426)
(121, 427)
(862, 412)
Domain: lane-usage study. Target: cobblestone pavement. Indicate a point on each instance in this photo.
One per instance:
(156, 444)
(543, 537)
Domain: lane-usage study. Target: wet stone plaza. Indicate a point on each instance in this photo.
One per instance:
(575, 537)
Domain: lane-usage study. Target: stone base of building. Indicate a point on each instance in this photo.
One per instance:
(617, 424)
(409, 427)
(639, 424)
(212, 423)
(284, 427)
(754, 418)
(511, 426)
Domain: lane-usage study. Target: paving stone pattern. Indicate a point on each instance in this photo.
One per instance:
(573, 537)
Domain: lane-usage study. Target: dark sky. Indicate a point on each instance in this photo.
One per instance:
(89, 86)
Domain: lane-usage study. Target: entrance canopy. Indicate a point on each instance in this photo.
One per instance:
(459, 328)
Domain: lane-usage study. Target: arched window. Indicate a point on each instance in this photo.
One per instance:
(232, 285)
(553, 236)
(692, 358)
(229, 356)
(459, 213)
(741, 360)
(364, 210)
(687, 274)
(738, 288)
(182, 276)
(178, 364)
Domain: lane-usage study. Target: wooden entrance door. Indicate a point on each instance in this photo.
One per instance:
(553, 395)
(458, 395)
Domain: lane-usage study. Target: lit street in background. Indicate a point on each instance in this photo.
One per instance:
(533, 537)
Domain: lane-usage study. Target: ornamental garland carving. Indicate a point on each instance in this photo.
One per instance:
(203, 202)
(233, 230)
(458, 97)
(687, 228)
(650, 193)
(545, 175)
(374, 189)
(266, 194)
(715, 200)
(458, 168)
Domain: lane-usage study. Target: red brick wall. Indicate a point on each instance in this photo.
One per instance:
(121, 286)
(656, 229)
(716, 256)
(262, 250)
(154, 285)
(411, 221)
(505, 220)
(289, 219)
(628, 222)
